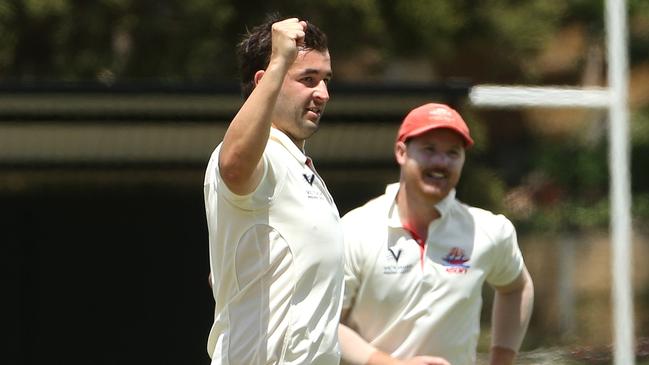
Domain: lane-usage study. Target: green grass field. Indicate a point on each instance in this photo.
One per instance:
(561, 356)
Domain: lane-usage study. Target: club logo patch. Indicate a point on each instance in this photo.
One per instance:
(309, 179)
(313, 191)
(455, 261)
(395, 255)
(392, 265)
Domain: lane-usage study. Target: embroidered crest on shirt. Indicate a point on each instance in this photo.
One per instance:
(312, 190)
(392, 265)
(396, 254)
(455, 261)
(309, 179)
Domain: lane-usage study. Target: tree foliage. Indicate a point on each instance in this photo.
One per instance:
(194, 39)
(492, 41)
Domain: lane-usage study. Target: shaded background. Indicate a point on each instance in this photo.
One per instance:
(110, 109)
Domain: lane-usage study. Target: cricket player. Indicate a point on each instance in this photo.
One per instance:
(275, 237)
(416, 259)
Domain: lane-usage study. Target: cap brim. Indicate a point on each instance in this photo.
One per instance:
(468, 142)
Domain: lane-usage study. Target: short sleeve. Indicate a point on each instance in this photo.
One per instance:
(267, 189)
(508, 259)
(354, 258)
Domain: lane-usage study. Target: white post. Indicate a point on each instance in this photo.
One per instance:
(620, 195)
(566, 284)
(615, 97)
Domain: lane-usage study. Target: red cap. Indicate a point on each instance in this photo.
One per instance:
(432, 116)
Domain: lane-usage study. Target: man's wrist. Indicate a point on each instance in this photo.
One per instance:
(381, 358)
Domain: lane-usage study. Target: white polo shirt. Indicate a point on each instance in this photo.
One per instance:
(276, 260)
(408, 299)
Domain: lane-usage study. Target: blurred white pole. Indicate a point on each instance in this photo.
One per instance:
(566, 283)
(615, 97)
(538, 96)
(620, 190)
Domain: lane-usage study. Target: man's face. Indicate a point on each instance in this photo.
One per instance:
(431, 163)
(304, 95)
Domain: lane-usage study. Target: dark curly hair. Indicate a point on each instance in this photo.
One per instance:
(254, 50)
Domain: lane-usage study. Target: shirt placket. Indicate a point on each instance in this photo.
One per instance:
(420, 241)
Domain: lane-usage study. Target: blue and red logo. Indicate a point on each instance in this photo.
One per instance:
(455, 261)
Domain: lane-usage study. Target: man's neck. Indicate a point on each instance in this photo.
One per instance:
(299, 143)
(416, 211)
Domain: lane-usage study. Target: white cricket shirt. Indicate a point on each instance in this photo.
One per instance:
(276, 260)
(410, 299)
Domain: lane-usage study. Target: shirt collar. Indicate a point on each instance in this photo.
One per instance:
(393, 211)
(281, 138)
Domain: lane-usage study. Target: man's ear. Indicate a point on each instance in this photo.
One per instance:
(258, 75)
(400, 152)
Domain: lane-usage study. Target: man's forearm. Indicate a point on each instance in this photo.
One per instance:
(355, 350)
(510, 317)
